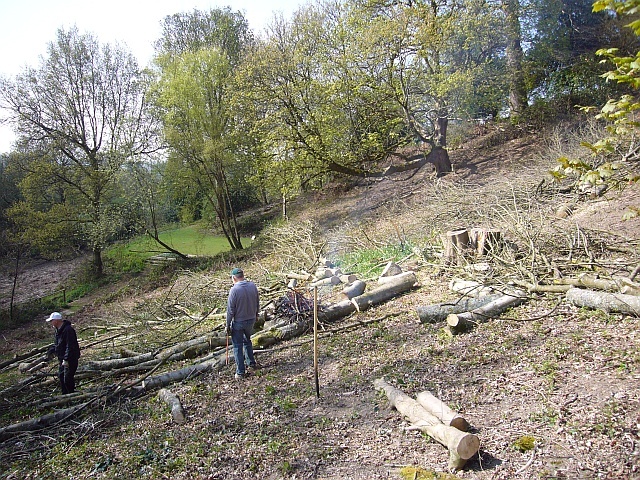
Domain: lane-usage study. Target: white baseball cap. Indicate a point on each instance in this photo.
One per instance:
(54, 316)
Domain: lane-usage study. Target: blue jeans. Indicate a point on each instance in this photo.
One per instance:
(242, 348)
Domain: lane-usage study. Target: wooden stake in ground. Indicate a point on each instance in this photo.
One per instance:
(462, 446)
(315, 340)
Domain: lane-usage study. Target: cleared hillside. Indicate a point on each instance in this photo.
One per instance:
(568, 377)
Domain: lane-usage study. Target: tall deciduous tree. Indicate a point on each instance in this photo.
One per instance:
(197, 57)
(81, 115)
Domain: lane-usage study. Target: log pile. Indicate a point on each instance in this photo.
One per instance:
(433, 417)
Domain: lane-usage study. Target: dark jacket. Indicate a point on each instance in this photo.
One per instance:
(66, 344)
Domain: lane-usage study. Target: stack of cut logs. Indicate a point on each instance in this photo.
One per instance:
(432, 416)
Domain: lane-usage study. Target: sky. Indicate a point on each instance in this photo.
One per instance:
(28, 26)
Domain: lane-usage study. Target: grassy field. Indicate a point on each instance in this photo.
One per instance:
(190, 240)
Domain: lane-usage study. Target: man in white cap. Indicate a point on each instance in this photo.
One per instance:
(67, 350)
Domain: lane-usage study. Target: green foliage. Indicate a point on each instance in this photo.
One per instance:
(618, 151)
(81, 117)
(419, 473)
(370, 262)
(525, 443)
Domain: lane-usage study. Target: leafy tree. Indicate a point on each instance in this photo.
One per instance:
(81, 115)
(561, 63)
(197, 56)
(620, 150)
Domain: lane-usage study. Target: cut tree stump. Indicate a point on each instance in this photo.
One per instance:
(455, 242)
(608, 302)
(484, 241)
(462, 446)
(441, 410)
(462, 322)
(172, 400)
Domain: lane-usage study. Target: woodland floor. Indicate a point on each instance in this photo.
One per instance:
(568, 377)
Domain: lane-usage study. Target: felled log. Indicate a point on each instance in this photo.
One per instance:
(172, 400)
(332, 280)
(439, 311)
(23, 356)
(348, 278)
(164, 379)
(27, 367)
(441, 410)
(462, 322)
(353, 290)
(469, 288)
(608, 302)
(391, 287)
(620, 284)
(462, 446)
(266, 338)
(397, 284)
(39, 423)
(300, 276)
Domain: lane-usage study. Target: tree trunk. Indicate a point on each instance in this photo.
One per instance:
(353, 290)
(609, 302)
(485, 241)
(97, 261)
(439, 157)
(462, 446)
(440, 311)
(14, 286)
(514, 56)
(441, 410)
(589, 280)
(455, 243)
(40, 422)
(462, 322)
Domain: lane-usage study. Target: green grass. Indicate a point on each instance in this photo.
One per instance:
(372, 261)
(190, 240)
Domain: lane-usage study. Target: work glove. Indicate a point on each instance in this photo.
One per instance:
(227, 331)
(65, 364)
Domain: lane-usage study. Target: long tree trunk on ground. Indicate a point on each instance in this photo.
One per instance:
(608, 302)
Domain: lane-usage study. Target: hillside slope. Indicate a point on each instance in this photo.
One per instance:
(567, 377)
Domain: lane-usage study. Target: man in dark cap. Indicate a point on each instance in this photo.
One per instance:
(242, 311)
(67, 350)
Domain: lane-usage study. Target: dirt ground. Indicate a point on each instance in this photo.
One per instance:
(566, 377)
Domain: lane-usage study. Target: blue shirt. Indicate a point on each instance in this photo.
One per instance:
(243, 303)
